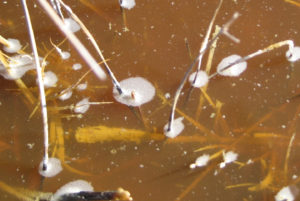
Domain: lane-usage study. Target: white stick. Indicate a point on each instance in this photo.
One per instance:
(223, 30)
(94, 43)
(289, 43)
(205, 41)
(41, 85)
(74, 40)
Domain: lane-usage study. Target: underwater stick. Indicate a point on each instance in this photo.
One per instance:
(205, 41)
(94, 43)
(41, 85)
(271, 47)
(74, 40)
(224, 30)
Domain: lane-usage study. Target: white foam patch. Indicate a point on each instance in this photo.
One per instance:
(288, 193)
(18, 66)
(176, 129)
(293, 55)
(50, 79)
(234, 70)
(128, 4)
(82, 106)
(72, 25)
(72, 187)
(53, 168)
(14, 46)
(201, 80)
(136, 91)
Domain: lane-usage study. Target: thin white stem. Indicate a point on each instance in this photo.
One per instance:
(41, 85)
(94, 43)
(224, 29)
(205, 41)
(74, 40)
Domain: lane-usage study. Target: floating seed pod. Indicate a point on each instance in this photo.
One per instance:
(53, 168)
(235, 70)
(136, 91)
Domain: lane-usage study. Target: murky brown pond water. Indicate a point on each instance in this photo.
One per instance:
(258, 117)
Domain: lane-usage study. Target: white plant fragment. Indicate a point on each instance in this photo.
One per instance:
(200, 161)
(72, 187)
(72, 25)
(135, 91)
(293, 54)
(14, 46)
(228, 157)
(287, 193)
(234, 70)
(53, 168)
(50, 79)
(128, 4)
(17, 66)
(201, 80)
(82, 106)
(176, 128)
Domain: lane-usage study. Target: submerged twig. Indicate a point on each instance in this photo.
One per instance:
(289, 43)
(94, 43)
(74, 40)
(40, 83)
(223, 30)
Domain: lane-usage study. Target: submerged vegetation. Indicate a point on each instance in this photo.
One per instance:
(71, 132)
